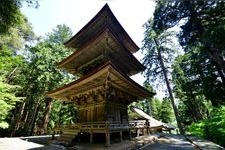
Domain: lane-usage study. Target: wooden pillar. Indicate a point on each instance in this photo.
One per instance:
(107, 137)
(137, 132)
(130, 134)
(148, 127)
(107, 134)
(91, 137)
(121, 136)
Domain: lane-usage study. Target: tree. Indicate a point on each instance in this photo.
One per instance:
(55, 41)
(11, 16)
(202, 23)
(12, 62)
(9, 85)
(158, 56)
(146, 104)
(41, 77)
(166, 114)
(211, 128)
(63, 114)
(8, 100)
(155, 105)
(59, 35)
(195, 74)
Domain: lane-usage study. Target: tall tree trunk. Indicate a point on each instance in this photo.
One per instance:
(31, 111)
(169, 89)
(27, 115)
(18, 119)
(34, 118)
(48, 106)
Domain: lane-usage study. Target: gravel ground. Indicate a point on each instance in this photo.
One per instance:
(19, 144)
(153, 142)
(170, 142)
(179, 142)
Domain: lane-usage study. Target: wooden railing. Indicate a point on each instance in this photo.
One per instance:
(138, 123)
(93, 125)
(107, 125)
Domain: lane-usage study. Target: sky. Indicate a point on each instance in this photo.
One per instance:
(131, 14)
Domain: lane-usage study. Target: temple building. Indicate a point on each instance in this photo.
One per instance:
(103, 58)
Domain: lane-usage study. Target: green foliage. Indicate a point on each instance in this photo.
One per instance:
(199, 19)
(32, 68)
(62, 114)
(198, 75)
(12, 64)
(8, 100)
(154, 71)
(42, 76)
(166, 114)
(160, 110)
(160, 52)
(43, 58)
(202, 32)
(59, 35)
(155, 105)
(192, 84)
(212, 128)
(8, 61)
(10, 16)
(148, 86)
(204, 75)
(197, 129)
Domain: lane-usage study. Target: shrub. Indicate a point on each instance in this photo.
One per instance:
(212, 129)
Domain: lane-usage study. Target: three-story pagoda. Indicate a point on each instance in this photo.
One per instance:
(103, 57)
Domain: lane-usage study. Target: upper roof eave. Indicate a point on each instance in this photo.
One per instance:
(75, 39)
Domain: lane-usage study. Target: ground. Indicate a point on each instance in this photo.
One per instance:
(153, 142)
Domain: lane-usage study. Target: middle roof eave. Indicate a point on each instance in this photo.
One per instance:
(96, 47)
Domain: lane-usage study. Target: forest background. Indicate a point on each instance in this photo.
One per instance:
(193, 70)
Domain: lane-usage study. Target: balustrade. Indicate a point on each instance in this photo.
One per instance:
(106, 125)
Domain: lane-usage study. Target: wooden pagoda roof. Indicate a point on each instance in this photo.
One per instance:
(104, 18)
(105, 45)
(98, 78)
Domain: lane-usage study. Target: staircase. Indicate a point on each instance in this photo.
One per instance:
(67, 134)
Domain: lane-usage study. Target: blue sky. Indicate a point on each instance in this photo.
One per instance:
(132, 14)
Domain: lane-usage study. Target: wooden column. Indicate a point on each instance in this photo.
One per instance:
(121, 136)
(137, 132)
(148, 127)
(91, 137)
(107, 137)
(130, 134)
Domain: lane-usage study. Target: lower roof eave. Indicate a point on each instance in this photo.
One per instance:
(120, 80)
